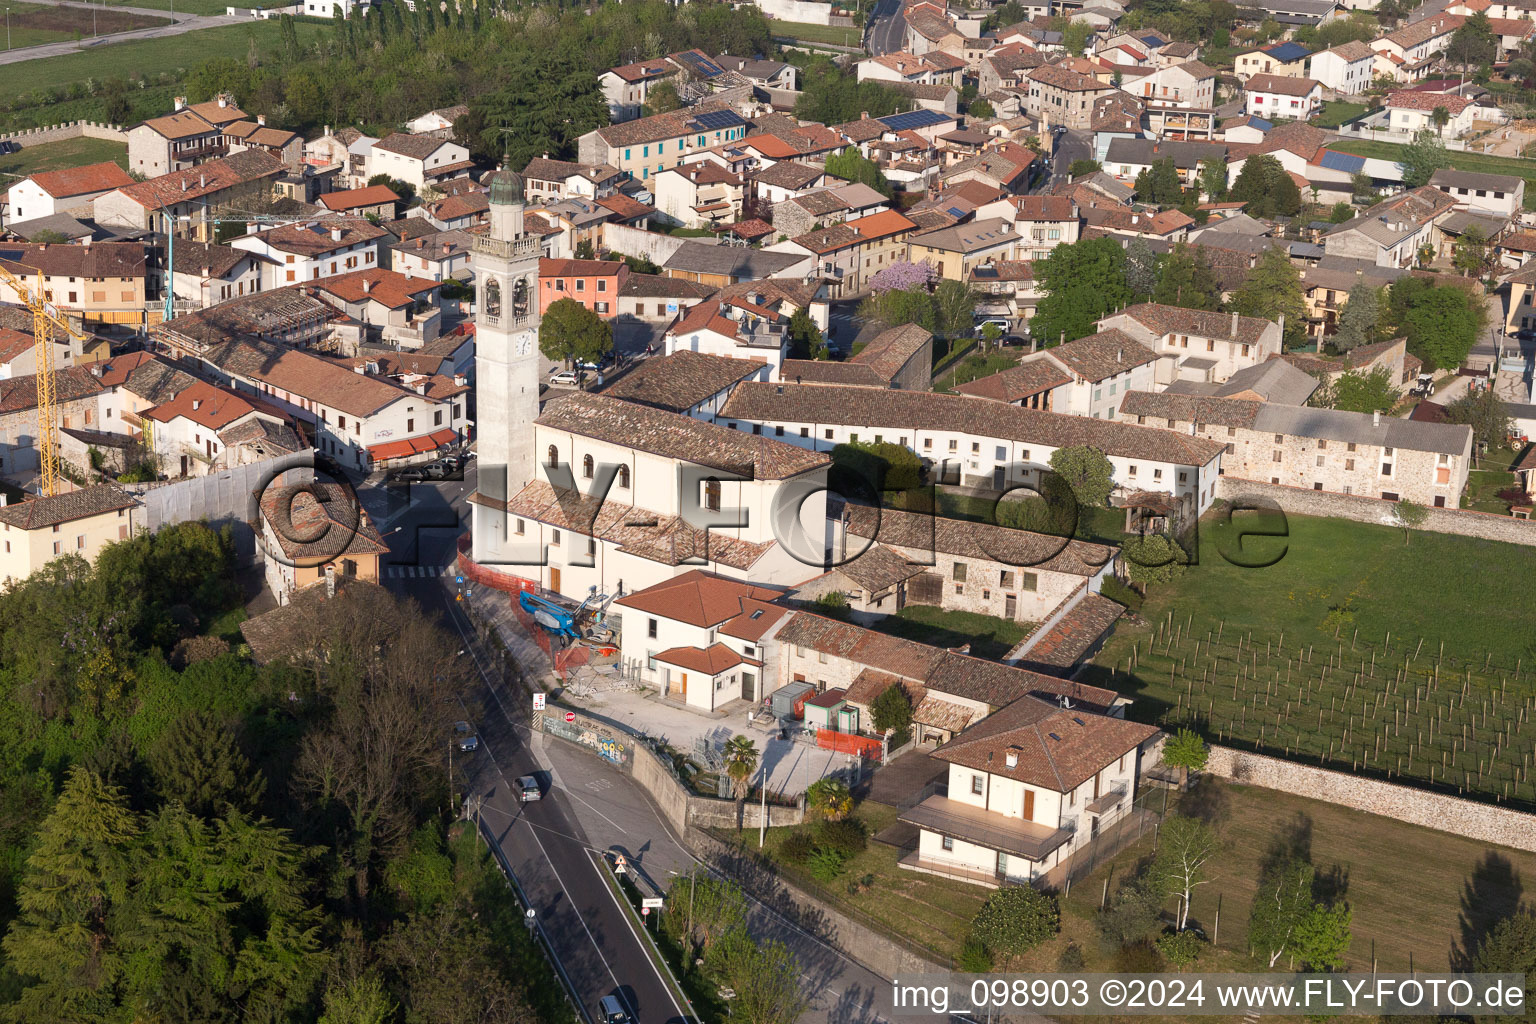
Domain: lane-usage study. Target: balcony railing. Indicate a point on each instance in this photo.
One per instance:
(504, 248)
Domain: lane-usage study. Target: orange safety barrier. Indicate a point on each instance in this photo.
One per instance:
(848, 743)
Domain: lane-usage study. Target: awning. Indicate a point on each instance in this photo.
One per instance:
(409, 446)
(941, 714)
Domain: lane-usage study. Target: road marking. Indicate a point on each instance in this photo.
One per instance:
(642, 943)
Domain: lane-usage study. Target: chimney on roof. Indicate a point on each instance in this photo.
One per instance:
(207, 271)
(41, 246)
(420, 387)
(1376, 418)
(223, 99)
(1281, 323)
(183, 184)
(360, 368)
(1234, 325)
(367, 286)
(336, 233)
(178, 103)
(202, 180)
(197, 403)
(421, 243)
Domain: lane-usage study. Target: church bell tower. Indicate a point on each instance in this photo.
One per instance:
(506, 266)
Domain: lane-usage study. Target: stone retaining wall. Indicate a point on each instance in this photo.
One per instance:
(1487, 823)
(1301, 501)
(71, 130)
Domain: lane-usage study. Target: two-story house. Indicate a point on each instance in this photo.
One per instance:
(309, 252)
(418, 160)
(699, 195)
(183, 138)
(1198, 345)
(1102, 367)
(37, 530)
(1346, 68)
(49, 192)
(593, 283)
(850, 253)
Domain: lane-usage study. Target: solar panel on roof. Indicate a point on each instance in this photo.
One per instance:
(912, 119)
(1150, 40)
(706, 68)
(1347, 162)
(716, 119)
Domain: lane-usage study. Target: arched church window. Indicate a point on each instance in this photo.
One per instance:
(493, 298)
(520, 297)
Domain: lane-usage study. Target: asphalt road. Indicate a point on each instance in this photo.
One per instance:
(183, 23)
(1073, 145)
(557, 867)
(887, 28)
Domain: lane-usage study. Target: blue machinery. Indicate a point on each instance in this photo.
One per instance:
(559, 620)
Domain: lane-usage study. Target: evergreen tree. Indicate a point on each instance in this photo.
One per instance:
(1160, 183)
(1272, 291)
(1266, 187)
(1186, 279)
(1358, 323)
(1213, 179)
(1141, 268)
(1421, 158)
(1082, 282)
(851, 165)
(198, 764)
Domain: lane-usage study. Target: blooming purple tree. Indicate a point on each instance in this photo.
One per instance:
(902, 277)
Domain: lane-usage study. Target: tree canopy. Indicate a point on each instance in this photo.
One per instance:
(1421, 158)
(571, 332)
(1441, 321)
(1082, 282)
(1360, 322)
(1266, 187)
(1087, 471)
(1358, 391)
(1273, 290)
(851, 165)
(1185, 278)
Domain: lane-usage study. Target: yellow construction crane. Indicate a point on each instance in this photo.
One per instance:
(45, 318)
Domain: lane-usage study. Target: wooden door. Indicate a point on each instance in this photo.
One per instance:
(554, 579)
(1029, 805)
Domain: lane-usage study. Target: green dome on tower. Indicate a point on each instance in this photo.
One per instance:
(507, 188)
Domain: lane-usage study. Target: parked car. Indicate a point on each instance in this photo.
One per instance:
(528, 789)
(565, 379)
(464, 736)
(998, 322)
(410, 474)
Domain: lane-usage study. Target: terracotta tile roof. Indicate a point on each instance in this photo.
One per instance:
(315, 523)
(788, 174)
(1103, 354)
(1352, 51)
(790, 403)
(255, 134)
(181, 125)
(1425, 29)
(35, 513)
(983, 541)
(204, 179)
(79, 181)
(353, 198)
(1410, 99)
(1063, 78)
(890, 350)
(1017, 382)
(698, 598)
(1064, 646)
(774, 147)
(465, 204)
(98, 259)
(1165, 320)
(217, 260)
(705, 316)
(645, 69)
(386, 287)
(1221, 412)
(711, 660)
(14, 343)
(216, 113)
(1054, 748)
(678, 437)
(682, 380)
(318, 239)
(871, 683)
(856, 232)
(655, 286)
(671, 125)
(69, 383)
(1280, 85)
(751, 229)
(416, 147)
(300, 373)
(265, 436)
(877, 568)
(666, 539)
(579, 268)
(625, 207)
(827, 371)
(208, 405)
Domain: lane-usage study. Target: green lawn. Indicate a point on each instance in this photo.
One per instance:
(989, 636)
(35, 24)
(1491, 476)
(192, 6)
(53, 156)
(1294, 657)
(973, 367)
(1405, 903)
(172, 54)
(1478, 162)
(1100, 525)
(1336, 112)
(931, 913)
(834, 34)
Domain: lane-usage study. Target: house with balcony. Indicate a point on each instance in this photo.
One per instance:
(954, 252)
(206, 273)
(393, 308)
(850, 253)
(1040, 222)
(1197, 345)
(738, 327)
(298, 253)
(1029, 786)
(287, 146)
(184, 138)
(1283, 60)
(547, 179)
(699, 195)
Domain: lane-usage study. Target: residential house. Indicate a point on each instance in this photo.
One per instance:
(739, 328)
(1412, 111)
(770, 75)
(49, 192)
(1198, 345)
(1282, 97)
(1392, 232)
(93, 283)
(1345, 69)
(1032, 384)
(954, 252)
(18, 354)
(928, 31)
(418, 160)
(309, 531)
(378, 200)
(195, 197)
(201, 429)
(1187, 86)
(936, 68)
(650, 145)
(35, 531)
(691, 383)
(438, 122)
(624, 491)
(1501, 194)
(545, 179)
(984, 443)
(458, 212)
(76, 390)
(699, 195)
(721, 265)
(595, 284)
(309, 252)
(440, 256)
(1102, 367)
(1282, 60)
(398, 310)
(287, 146)
(184, 138)
(627, 88)
(206, 273)
(702, 638)
(1404, 53)
(1029, 787)
(852, 252)
(1322, 449)
(1059, 96)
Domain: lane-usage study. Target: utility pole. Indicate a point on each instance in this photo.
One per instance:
(762, 819)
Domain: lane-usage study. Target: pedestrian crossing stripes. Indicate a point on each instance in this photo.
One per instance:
(396, 572)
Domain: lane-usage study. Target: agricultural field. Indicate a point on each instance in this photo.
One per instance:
(1354, 651)
(834, 34)
(36, 24)
(54, 156)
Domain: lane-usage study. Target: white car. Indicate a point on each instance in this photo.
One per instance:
(1000, 324)
(564, 379)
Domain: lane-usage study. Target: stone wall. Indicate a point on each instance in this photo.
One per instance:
(805, 11)
(70, 130)
(1487, 823)
(635, 242)
(1306, 502)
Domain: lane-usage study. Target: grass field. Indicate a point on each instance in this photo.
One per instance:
(54, 156)
(1477, 162)
(1492, 475)
(834, 34)
(173, 54)
(973, 367)
(1411, 662)
(988, 635)
(1336, 112)
(1408, 903)
(35, 24)
(192, 6)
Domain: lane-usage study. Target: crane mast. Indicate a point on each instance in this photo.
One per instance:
(45, 317)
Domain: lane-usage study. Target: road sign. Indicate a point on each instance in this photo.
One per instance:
(459, 580)
(570, 716)
(620, 865)
(538, 702)
(652, 903)
(645, 911)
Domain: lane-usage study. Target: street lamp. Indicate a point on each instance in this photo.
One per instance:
(7, 28)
